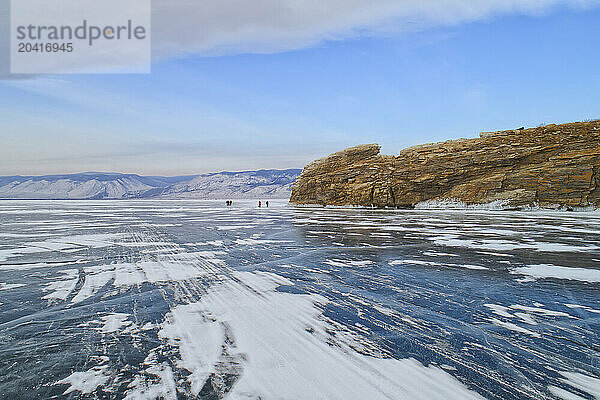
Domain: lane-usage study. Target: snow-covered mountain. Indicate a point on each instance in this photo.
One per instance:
(92, 185)
(274, 184)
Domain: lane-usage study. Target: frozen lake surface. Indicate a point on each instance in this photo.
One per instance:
(192, 299)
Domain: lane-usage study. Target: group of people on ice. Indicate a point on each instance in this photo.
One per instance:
(229, 203)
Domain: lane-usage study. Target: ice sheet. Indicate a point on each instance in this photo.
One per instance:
(299, 303)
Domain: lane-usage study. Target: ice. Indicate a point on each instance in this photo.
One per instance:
(583, 307)
(346, 263)
(542, 311)
(168, 271)
(294, 360)
(459, 205)
(5, 254)
(499, 310)
(431, 263)
(585, 383)
(190, 299)
(206, 255)
(52, 246)
(8, 286)
(130, 274)
(198, 338)
(95, 278)
(554, 271)
(160, 386)
(506, 245)
(261, 281)
(143, 244)
(468, 266)
(528, 319)
(85, 382)
(439, 254)
(62, 244)
(250, 241)
(233, 227)
(564, 394)
(61, 289)
(114, 322)
(514, 327)
(215, 243)
(413, 262)
(99, 240)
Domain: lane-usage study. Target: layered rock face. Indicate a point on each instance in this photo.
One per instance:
(552, 165)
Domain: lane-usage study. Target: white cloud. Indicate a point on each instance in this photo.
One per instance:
(232, 26)
(217, 27)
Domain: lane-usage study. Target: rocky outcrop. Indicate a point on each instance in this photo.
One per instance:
(552, 165)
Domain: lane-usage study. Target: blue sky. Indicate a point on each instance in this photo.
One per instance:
(244, 109)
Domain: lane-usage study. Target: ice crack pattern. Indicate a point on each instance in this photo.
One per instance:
(195, 300)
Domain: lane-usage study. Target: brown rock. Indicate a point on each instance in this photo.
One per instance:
(553, 165)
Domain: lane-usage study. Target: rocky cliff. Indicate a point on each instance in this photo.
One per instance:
(552, 165)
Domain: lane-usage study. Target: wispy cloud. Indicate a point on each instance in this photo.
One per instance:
(218, 27)
(214, 27)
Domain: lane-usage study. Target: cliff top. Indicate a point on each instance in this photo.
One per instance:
(351, 154)
(547, 165)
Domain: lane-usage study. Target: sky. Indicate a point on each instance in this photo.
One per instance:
(238, 85)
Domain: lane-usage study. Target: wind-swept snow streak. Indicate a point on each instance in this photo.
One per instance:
(554, 271)
(122, 275)
(286, 348)
(85, 382)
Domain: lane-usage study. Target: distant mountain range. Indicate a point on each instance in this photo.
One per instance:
(94, 186)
